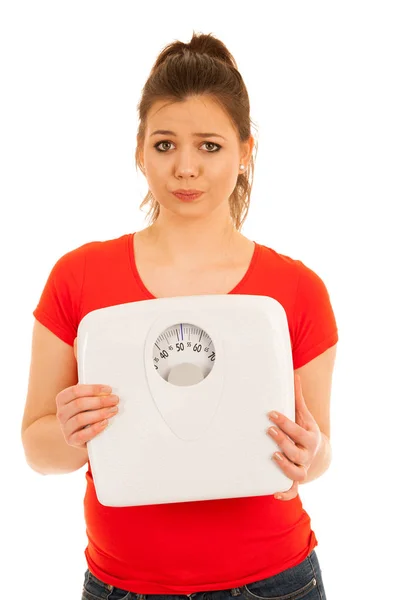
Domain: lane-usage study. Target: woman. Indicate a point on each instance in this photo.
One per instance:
(194, 135)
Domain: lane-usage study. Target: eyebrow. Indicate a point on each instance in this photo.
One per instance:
(203, 135)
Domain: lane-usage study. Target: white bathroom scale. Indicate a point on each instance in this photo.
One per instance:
(196, 377)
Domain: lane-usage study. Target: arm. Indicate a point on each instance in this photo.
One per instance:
(46, 450)
(307, 450)
(321, 461)
(316, 383)
(53, 368)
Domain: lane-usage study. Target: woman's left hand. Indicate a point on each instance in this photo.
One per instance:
(299, 446)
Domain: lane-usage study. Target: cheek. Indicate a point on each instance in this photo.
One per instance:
(226, 179)
(221, 174)
(157, 174)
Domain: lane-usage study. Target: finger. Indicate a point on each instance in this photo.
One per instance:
(297, 433)
(87, 419)
(80, 390)
(82, 436)
(290, 494)
(296, 472)
(294, 453)
(86, 405)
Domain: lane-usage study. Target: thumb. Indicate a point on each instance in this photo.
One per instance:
(302, 412)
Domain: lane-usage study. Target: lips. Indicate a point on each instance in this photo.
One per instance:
(187, 191)
(186, 195)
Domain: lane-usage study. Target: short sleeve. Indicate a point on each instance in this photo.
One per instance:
(314, 323)
(59, 307)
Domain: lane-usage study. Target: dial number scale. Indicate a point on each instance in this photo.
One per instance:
(183, 354)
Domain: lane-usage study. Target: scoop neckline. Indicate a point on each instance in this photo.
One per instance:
(149, 295)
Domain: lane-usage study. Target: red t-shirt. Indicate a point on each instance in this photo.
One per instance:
(187, 547)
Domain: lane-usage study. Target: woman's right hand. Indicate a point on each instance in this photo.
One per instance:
(83, 411)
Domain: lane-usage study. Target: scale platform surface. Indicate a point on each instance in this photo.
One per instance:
(196, 377)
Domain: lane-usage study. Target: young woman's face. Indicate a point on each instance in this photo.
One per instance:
(185, 160)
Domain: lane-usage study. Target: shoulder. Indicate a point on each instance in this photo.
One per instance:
(288, 264)
(276, 258)
(95, 249)
(282, 268)
(300, 287)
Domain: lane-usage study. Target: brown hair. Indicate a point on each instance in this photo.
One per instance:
(204, 66)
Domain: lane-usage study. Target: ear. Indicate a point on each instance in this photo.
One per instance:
(139, 153)
(247, 149)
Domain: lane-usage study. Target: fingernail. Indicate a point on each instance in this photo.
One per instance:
(278, 456)
(273, 415)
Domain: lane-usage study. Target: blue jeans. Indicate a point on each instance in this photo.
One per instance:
(302, 581)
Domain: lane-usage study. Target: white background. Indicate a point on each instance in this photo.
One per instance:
(323, 80)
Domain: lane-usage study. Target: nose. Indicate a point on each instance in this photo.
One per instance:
(185, 173)
(186, 167)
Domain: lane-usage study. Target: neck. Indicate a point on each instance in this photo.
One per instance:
(193, 243)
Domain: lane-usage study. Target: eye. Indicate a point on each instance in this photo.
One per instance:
(217, 146)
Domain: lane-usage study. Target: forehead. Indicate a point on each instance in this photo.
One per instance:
(195, 114)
